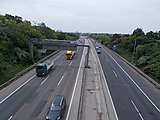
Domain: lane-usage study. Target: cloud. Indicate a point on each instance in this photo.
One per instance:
(88, 15)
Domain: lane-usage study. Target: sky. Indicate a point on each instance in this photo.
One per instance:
(98, 16)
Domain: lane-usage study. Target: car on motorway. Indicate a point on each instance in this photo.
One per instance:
(99, 51)
(97, 48)
(56, 110)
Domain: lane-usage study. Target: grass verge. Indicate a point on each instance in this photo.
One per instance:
(10, 72)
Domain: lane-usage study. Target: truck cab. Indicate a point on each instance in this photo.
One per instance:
(41, 69)
(70, 54)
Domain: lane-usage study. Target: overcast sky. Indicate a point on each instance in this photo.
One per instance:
(109, 16)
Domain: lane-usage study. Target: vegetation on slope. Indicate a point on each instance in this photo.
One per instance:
(15, 34)
(143, 50)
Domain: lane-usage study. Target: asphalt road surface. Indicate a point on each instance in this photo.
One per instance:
(29, 97)
(134, 98)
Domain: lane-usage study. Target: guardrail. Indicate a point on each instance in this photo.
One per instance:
(26, 70)
(74, 108)
(157, 85)
(81, 93)
(109, 112)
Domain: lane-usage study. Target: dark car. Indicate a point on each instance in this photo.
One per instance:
(99, 51)
(57, 108)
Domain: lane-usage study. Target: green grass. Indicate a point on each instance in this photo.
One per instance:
(155, 72)
(125, 54)
(13, 69)
(10, 72)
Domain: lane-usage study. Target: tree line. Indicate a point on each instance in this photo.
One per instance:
(15, 34)
(143, 50)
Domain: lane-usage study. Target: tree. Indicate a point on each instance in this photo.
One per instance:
(153, 35)
(42, 24)
(61, 36)
(18, 19)
(116, 36)
(138, 32)
(150, 34)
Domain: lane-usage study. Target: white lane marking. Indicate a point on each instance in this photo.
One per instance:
(23, 83)
(53, 61)
(61, 80)
(135, 83)
(75, 87)
(137, 110)
(57, 57)
(17, 89)
(109, 93)
(70, 63)
(114, 73)
(45, 80)
(107, 60)
(10, 118)
(60, 63)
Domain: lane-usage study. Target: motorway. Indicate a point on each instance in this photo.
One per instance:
(134, 98)
(29, 97)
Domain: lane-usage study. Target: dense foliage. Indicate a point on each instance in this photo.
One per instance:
(14, 38)
(141, 49)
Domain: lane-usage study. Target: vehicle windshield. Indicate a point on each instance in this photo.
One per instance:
(97, 48)
(55, 108)
(39, 67)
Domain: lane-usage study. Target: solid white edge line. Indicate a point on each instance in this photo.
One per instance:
(134, 83)
(75, 87)
(114, 110)
(45, 80)
(10, 118)
(61, 79)
(137, 110)
(23, 83)
(53, 61)
(17, 89)
(114, 73)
